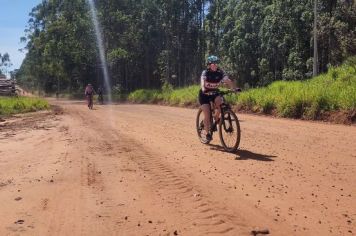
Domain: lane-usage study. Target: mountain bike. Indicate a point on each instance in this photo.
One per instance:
(228, 124)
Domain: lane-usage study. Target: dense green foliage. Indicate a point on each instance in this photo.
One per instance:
(13, 105)
(263, 41)
(149, 43)
(332, 91)
(61, 47)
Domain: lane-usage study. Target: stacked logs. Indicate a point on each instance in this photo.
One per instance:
(7, 86)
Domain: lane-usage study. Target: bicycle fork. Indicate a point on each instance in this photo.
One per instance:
(226, 121)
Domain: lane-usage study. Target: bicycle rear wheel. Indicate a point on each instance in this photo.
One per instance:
(200, 126)
(229, 131)
(90, 103)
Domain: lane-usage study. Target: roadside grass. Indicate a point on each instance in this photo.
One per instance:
(178, 97)
(14, 105)
(332, 91)
(145, 96)
(308, 99)
(183, 96)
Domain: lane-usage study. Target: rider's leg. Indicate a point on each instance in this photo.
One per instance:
(206, 110)
(218, 101)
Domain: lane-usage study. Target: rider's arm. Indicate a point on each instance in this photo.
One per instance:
(232, 85)
(226, 80)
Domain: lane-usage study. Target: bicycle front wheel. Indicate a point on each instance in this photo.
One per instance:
(229, 131)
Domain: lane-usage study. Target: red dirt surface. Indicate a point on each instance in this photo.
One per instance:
(141, 170)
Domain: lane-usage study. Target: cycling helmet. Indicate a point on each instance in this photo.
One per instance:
(212, 59)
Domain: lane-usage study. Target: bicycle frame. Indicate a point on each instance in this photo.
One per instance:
(223, 107)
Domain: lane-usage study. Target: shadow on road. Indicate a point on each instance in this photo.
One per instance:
(246, 155)
(241, 155)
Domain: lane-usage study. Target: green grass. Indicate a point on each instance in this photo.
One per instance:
(178, 97)
(14, 105)
(183, 96)
(145, 96)
(333, 91)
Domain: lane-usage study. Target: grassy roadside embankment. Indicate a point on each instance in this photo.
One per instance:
(14, 105)
(330, 96)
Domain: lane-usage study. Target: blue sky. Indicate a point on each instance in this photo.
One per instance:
(13, 20)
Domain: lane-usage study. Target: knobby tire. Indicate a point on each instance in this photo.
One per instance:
(229, 128)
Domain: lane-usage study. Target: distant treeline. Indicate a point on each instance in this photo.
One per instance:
(150, 42)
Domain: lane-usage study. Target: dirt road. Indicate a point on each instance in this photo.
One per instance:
(141, 170)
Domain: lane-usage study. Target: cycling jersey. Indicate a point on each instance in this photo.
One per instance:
(212, 79)
(89, 91)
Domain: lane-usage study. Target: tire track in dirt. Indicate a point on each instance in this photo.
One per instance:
(175, 188)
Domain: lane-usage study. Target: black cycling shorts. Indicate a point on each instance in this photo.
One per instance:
(206, 99)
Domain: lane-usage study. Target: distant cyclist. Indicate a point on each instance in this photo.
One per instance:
(211, 79)
(89, 92)
(100, 95)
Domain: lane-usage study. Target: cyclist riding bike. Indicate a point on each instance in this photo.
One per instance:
(211, 79)
(100, 95)
(89, 92)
